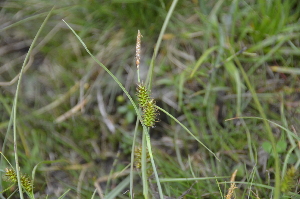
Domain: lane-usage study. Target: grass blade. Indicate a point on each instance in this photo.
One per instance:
(14, 115)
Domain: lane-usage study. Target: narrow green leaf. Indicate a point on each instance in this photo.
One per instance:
(203, 57)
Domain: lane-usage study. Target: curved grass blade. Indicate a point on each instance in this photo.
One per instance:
(14, 112)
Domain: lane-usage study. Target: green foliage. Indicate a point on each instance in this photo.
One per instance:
(281, 146)
(128, 111)
(197, 83)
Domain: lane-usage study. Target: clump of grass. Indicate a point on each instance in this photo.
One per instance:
(266, 31)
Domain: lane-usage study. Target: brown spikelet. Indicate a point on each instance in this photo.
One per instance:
(232, 186)
(138, 49)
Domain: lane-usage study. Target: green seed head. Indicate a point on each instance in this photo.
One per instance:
(150, 113)
(143, 95)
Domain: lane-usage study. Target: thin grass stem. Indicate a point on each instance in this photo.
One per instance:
(16, 102)
(132, 158)
(144, 166)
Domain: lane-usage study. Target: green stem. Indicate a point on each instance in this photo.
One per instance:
(138, 74)
(132, 158)
(146, 133)
(144, 166)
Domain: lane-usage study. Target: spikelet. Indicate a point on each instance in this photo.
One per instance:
(146, 103)
(288, 181)
(148, 106)
(138, 160)
(150, 113)
(138, 157)
(11, 176)
(26, 183)
(143, 95)
(138, 49)
(232, 186)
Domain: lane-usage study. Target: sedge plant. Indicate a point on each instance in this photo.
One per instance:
(147, 119)
(262, 29)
